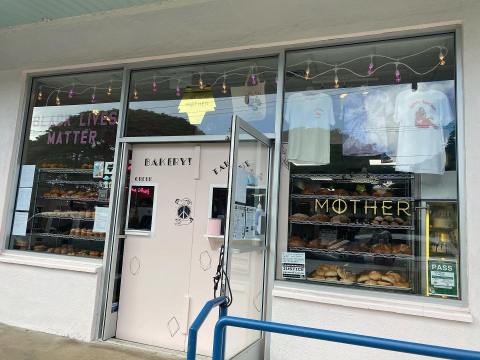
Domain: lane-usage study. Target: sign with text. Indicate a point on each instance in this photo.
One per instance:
(442, 277)
(293, 265)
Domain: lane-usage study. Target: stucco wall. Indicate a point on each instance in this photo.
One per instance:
(51, 300)
(212, 26)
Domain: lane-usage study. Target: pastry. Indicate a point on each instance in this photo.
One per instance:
(331, 273)
(370, 282)
(401, 249)
(383, 283)
(340, 192)
(323, 191)
(39, 248)
(294, 241)
(299, 216)
(381, 249)
(320, 218)
(399, 221)
(388, 218)
(379, 219)
(375, 275)
(363, 278)
(94, 253)
(316, 244)
(331, 278)
(340, 219)
(389, 278)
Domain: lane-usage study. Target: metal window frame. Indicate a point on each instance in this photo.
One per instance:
(278, 51)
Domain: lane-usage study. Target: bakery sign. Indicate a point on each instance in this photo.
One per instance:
(383, 207)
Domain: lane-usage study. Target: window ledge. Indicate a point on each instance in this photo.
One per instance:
(304, 292)
(48, 261)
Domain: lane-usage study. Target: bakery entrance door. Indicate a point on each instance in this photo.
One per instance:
(154, 302)
(246, 235)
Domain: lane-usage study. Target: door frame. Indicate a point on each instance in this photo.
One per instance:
(255, 350)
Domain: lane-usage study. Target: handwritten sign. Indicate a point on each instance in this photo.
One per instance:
(196, 105)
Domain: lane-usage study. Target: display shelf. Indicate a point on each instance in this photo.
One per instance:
(351, 253)
(64, 217)
(65, 171)
(353, 225)
(350, 197)
(69, 237)
(69, 182)
(356, 178)
(72, 199)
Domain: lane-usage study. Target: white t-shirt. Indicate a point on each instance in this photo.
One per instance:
(310, 118)
(421, 116)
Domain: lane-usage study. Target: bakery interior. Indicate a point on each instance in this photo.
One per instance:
(363, 221)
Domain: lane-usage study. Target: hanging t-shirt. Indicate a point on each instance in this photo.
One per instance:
(310, 118)
(368, 121)
(421, 116)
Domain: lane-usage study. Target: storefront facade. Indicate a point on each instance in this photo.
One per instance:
(355, 175)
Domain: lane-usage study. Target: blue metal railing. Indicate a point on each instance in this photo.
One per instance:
(193, 331)
(312, 333)
(335, 336)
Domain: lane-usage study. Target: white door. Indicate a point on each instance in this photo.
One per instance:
(154, 294)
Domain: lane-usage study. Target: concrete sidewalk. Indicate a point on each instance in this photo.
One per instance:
(20, 344)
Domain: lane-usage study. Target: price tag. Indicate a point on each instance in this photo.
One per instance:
(293, 265)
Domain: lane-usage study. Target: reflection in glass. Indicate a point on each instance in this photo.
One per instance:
(140, 208)
(369, 166)
(70, 144)
(201, 99)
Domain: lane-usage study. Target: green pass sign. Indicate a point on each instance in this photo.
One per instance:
(442, 277)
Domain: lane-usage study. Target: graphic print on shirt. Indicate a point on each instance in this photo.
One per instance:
(310, 118)
(422, 121)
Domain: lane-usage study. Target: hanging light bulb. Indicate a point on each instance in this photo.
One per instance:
(307, 71)
(93, 99)
(441, 57)
(40, 94)
(224, 85)
(154, 85)
(57, 98)
(336, 82)
(370, 66)
(397, 77)
(135, 94)
(177, 90)
(200, 83)
(71, 92)
(109, 89)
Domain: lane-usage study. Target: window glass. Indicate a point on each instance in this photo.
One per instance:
(201, 99)
(369, 170)
(140, 209)
(67, 165)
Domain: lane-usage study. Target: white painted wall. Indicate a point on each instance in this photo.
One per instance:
(52, 300)
(211, 26)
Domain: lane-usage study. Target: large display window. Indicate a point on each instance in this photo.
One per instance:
(67, 165)
(369, 168)
(201, 99)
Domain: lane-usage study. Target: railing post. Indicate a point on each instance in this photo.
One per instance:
(223, 312)
(219, 339)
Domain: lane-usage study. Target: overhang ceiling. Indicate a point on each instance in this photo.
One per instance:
(22, 12)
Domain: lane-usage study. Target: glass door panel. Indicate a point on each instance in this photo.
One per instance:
(246, 234)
